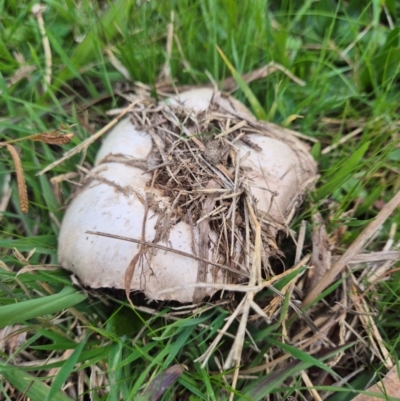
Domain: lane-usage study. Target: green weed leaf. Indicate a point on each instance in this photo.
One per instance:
(30, 385)
(255, 104)
(22, 311)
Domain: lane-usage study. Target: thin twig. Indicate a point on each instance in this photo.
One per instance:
(165, 248)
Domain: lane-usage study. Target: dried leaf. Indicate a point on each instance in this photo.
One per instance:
(59, 136)
(161, 383)
(389, 386)
(11, 338)
(31, 268)
(54, 138)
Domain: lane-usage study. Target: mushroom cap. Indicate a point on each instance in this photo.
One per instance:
(113, 201)
(116, 209)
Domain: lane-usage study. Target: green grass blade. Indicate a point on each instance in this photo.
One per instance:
(65, 371)
(303, 356)
(178, 344)
(259, 389)
(255, 104)
(17, 313)
(343, 173)
(30, 386)
(109, 24)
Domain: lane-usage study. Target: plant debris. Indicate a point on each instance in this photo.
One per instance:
(197, 173)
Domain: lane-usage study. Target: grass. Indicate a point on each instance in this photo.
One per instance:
(348, 53)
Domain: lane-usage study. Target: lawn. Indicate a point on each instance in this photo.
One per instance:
(333, 70)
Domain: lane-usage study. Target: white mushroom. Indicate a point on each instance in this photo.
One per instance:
(118, 197)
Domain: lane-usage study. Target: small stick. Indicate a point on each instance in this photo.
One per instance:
(219, 209)
(165, 248)
(354, 248)
(232, 129)
(310, 386)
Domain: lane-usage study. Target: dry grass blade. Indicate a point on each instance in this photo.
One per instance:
(37, 11)
(31, 268)
(342, 140)
(5, 195)
(230, 84)
(376, 342)
(117, 64)
(165, 73)
(204, 358)
(136, 259)
(204, 231)
(235, 354)
(300, 241)
(309, 384)
(165, 248)
(22, 72)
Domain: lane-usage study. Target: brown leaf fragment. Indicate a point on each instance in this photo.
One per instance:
(321, 254)
(11, 338)
(5, 195)
(161, 383)
(54, 138)
(389, 386)
(59, 136)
